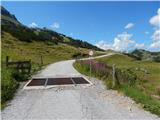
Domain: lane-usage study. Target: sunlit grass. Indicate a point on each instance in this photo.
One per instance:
(151, 78)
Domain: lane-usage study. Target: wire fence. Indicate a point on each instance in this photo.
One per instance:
(109, 73)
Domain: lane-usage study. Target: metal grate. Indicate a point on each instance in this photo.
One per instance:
(80, 80)
(37, 82)
(57, 81)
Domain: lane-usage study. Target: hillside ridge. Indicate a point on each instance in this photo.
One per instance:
(11, 25)
(142, 54)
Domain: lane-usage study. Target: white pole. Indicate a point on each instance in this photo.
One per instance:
(90, 67)
(113, 75)
(90, 54)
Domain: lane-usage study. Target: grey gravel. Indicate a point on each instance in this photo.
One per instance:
(72, 102)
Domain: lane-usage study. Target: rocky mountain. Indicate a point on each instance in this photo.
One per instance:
(11, 25)
(146, 55)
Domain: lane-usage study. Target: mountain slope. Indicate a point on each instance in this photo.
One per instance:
(11, 25)
(7, 17)
(19, 50)
(146, 55)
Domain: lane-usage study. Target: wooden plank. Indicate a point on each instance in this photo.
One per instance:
(7, 59)
(23, 66)
(19, 62)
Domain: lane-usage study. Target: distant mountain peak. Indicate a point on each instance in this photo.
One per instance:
(146, 55)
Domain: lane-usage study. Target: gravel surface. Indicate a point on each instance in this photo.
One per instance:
(72, 102)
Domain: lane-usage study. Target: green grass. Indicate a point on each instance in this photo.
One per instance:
(148, 103)
(9, 19)
(18, 50)
(81, 69)
(147, 84)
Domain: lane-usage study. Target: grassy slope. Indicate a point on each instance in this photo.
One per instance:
(18, 50)
(146, 86)
(51, 53)
(151, 81)
(9, 19)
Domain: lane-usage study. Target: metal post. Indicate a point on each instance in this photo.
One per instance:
(113, 75)
(90, 54)
(90, 67)
(30, 66)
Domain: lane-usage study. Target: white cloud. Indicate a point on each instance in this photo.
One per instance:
(129, 25)
(33, 25)
(155, 45)
(55, 25)
(146, 32)
(155, 39)
(158, 11)
(122, 42)
(155, 20)
(138, 46)
(156, 35)
(103, 45)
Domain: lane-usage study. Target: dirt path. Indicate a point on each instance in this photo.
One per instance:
(76, 102)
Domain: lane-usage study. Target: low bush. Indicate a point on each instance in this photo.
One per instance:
(79, 55)
(126, 76)
(108, 82)
(19, 76)
(8, 85)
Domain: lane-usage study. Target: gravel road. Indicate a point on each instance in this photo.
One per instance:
(72, 102)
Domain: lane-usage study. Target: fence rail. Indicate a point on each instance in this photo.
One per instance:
(21, 66)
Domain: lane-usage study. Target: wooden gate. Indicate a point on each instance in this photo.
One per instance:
(21, 66)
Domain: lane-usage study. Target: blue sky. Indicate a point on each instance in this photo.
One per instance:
(100, 23)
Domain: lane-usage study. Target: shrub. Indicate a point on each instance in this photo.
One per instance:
(108, 82)
(79, 55)
(19, 76)
(8, 85)
(126, 76)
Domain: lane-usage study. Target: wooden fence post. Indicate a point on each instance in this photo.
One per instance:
(113, 76)
(41, 60)
(30, 66)
(7, 59)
